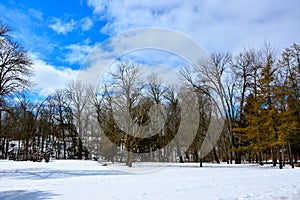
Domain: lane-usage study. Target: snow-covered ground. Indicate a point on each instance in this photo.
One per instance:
(90, 180)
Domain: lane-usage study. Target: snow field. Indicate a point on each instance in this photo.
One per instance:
(71, 179)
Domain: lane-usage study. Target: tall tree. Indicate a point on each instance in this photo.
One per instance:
(63, 118)
(208, 76)
(15, 65)
(289, 64)
(80, 95)
(110, 135)
(259, 134)
(127, 88)
(15, 68)
(243, 66)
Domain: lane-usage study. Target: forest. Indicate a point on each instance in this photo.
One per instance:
(259, 88)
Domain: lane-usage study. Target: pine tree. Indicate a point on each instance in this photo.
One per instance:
(267, 107)
(289, 63)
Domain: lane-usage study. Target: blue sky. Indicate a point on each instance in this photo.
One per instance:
(60, 34)
(52, 29)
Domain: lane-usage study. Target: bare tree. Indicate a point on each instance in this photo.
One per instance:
(173, 118)
(80, 96)
(109, 135)
(127, 89)
(242, 67)
(156, 90)
(15, 65)
(63, 117)
(206, 76)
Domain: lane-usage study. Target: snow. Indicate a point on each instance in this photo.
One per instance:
(71, 179)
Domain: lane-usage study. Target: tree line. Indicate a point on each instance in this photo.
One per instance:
(260, 93)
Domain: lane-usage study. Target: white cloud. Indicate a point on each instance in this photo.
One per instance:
(86, 24)
(150, 47)
(218, 25)
(37, 14)
(78, 52)
(63, 27)
(48, 78)
(23, 23)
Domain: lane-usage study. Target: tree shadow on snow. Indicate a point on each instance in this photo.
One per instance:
(23, 194)
(39, 174)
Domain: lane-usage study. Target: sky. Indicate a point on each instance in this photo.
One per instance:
(60, 34)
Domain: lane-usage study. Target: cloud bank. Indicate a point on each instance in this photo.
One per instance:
(218, 25)
(48, 78)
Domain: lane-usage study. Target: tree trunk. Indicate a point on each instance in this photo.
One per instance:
(196, 156)
(3, 147)
(19, 150)
(130, 158)
(295, 157)
(238, 159)
(79, 148)
(260, 158)
(64, 143)
(215, 155)
(249, 157)
(160, 156)
(274, 158)
(181, 159)
(127, 157)
(280, 159)
(179, 154)
(187, 156)
(290, 155)
(3, 142)
(42, 147)
(225, 149)
(26, 148)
